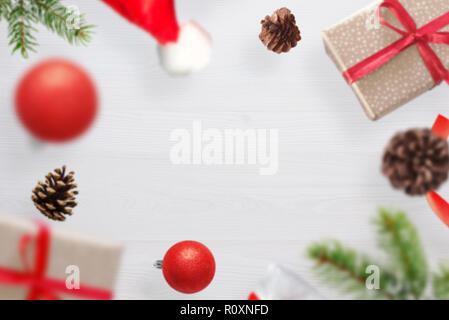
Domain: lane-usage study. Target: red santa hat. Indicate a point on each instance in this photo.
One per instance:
(182, 48)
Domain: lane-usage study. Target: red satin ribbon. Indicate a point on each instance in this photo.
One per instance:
(410, 36)
(41, 287)
(436, 202)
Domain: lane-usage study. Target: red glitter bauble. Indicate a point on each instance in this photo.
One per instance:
(56, 101)
(188, 267)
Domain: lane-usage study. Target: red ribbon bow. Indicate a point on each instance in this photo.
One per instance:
(410, 36)
(436, 202)
(40, 286)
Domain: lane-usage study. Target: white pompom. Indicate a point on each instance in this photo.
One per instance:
(190, 53)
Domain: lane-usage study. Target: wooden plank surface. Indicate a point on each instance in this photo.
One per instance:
(328, 185)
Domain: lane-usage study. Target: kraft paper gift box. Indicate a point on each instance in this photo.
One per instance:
(401, 79)
(97, 262)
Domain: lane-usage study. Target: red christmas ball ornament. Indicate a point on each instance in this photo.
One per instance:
(56, 101)
(188, 267)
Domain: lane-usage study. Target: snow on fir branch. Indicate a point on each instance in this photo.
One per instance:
(23, 15)
(406, 276)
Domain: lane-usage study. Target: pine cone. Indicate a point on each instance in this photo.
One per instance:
(279, 32)
(416, 161)
(56, 197)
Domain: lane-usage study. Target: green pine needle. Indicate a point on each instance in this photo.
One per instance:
(5, 9)
(21, 15)
(407, 276)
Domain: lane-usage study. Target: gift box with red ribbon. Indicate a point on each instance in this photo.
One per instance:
(392, 51)
(41, 263)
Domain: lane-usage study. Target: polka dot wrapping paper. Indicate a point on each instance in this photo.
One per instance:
(401, 79)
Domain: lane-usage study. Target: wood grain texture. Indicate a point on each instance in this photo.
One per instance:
(328, 186)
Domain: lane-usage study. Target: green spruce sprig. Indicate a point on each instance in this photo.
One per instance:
(22, 15)
(346, 268)
(406, 276)
(20, 29)
(400, 240)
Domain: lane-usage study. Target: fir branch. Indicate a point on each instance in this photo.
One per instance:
(20, 29)
(348, 269)
(64, 21)
(441, 283)
(400, 239)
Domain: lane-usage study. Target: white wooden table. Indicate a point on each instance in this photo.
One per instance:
(328, 185)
